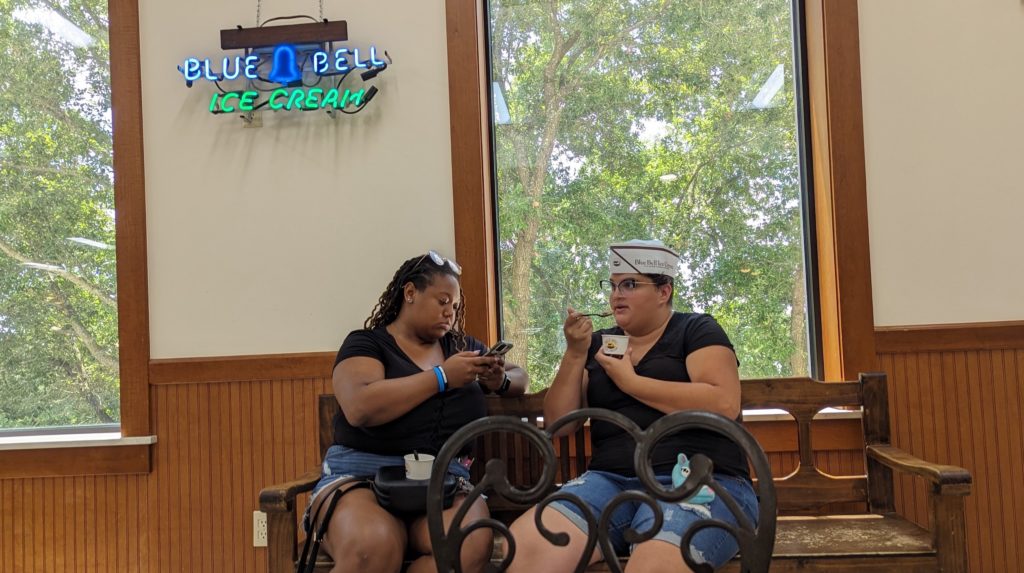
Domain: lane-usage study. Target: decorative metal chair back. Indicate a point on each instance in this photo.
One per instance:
(755, 542)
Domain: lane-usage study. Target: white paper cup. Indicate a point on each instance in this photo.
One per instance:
(418, 469)
(614, 344)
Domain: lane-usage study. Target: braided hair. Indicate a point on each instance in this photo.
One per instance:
(420, 271)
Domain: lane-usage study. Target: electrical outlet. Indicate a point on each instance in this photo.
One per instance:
(259, 529)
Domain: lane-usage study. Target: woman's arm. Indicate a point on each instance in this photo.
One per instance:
(519, 381)
(369, 399)
(568, 389)
(715, 382)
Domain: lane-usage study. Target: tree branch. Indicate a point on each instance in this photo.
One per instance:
(64, 14)
(76, 280)
(100, 355)
(553, 16)
(80, 381)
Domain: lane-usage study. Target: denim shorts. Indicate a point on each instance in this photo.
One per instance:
(711, 545)
(343, 462)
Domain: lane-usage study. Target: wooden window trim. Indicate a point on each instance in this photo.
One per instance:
(837, 149)
(132, 275)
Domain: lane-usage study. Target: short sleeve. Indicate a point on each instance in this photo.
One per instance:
(703, 331)
(474, 344)
(359, 343)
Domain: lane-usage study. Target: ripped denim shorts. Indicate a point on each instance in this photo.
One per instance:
(712, 545)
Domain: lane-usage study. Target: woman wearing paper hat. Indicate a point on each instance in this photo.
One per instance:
(406, 382)
(672, 361)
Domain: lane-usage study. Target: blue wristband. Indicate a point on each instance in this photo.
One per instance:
(442, 380)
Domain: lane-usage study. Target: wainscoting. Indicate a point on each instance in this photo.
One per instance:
(218, 444)
(957, 395)
(225, 430)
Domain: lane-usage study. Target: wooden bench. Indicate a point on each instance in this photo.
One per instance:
(808, 538)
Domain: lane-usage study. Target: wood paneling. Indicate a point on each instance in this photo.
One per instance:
(219, 443)
(240, 368)
(956, 400)
(840, 187)
(109, 460)
(938, 337)
(472, 192)
(130, 223)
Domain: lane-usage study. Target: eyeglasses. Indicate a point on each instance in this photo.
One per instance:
(439, 261)
(626, 287)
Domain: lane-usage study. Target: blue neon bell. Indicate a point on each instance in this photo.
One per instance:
(285, 70)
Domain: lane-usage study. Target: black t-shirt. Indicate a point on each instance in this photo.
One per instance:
(424, 428)
(613, 448)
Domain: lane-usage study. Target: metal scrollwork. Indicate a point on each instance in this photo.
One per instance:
(755, 541)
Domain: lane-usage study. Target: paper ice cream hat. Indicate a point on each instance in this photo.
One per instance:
(644, 257)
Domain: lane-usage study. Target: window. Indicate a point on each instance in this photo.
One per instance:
(648, 119)
(59, 351)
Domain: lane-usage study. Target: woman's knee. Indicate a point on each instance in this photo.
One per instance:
(478, 545)
(477, 549)
(535, 553)
(656, 556)
(365, 541)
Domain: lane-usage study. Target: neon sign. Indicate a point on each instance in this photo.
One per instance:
(288, 77)
(305, 99)
(342, 60)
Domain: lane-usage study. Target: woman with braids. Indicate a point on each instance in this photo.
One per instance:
(406, 382)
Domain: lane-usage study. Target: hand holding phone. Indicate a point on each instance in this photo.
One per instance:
(500, 349)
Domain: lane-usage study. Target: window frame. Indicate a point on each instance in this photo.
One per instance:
(829, 33)
(131, 453)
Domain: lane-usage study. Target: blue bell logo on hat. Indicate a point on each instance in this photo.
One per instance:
(285, 69)
(643, 257)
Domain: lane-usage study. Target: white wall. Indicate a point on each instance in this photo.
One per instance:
(280, 239)
(943, 85)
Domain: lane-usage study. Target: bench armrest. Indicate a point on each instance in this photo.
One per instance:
(946, 479)
(281, 497)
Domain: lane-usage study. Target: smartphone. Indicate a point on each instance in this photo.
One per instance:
(499, 349)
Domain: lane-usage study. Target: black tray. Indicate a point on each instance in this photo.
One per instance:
(397, 494)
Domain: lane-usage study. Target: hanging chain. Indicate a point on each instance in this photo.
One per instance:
(259, 7)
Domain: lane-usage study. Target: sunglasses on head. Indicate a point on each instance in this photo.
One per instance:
(439, 261)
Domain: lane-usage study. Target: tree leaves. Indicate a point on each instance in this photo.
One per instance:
(58, 311)
(634, 119)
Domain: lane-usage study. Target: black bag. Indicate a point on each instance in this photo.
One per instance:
(403, 496)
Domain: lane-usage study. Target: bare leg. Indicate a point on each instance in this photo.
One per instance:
(362, 537)
(656, 556)
(534, 553)
(476, 551)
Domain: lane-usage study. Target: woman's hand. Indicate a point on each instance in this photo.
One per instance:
(494, 376)
(464, 367)
(619, 369)
(578, 330)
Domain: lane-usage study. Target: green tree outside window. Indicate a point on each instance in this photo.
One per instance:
(649, 119)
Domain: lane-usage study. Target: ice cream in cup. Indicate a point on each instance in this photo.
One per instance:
(614, 344)
(417, 466)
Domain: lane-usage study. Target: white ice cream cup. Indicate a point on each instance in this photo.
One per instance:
(614, 344)
(418, 468)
